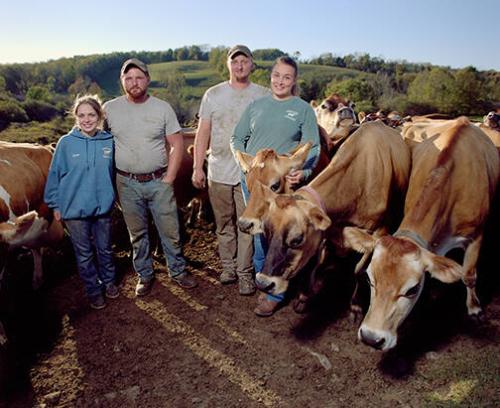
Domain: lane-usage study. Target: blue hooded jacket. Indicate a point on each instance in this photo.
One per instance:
(80, 181)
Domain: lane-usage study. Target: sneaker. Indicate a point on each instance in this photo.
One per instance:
(265, 307)
(185, 280)
(227, 277)
(97, 302)
(246, 285)
(112, 291)
(143, 287)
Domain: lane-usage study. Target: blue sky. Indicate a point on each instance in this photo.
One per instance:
(454, 33)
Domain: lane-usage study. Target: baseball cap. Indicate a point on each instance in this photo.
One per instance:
(239, 49)
(134, 62)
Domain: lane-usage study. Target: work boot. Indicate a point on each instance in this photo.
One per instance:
(97, 302)
(246, 285)
(112, 291)
(143, 287)
(227, 277)
(265, 307)
(185, 280)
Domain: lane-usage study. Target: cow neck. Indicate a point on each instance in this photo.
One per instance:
(413, 236)
(314, 194)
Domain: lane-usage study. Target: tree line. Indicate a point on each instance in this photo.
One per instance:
(43, 91)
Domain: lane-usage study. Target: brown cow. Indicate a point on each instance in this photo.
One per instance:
(25, 220)
(363, 185)
(192, 202)
(392, 119)
(452, 182)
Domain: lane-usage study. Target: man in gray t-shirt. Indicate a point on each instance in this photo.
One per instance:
(142, 126)
(220, 111)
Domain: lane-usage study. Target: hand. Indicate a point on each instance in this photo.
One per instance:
(168, 180)
(199, 179)
(294, 177)
(57, 215)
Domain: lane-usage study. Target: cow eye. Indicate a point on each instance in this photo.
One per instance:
(276, 186)
(413, 291)
(296, 241)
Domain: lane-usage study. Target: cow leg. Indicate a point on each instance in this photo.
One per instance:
(356, 305)
(37, 267)
(470, 276)
(314, 285)
(192, 210)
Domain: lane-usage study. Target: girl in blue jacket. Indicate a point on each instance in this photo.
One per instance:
(80, 190)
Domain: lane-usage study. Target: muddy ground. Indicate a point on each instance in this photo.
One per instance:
(205, 348)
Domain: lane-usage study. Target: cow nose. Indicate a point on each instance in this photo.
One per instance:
(345, 113)
(371, 339)
(245, 225)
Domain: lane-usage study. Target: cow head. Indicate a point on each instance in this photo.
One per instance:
(251, 220)
(392, 119)
(492, 120)
(294, 228)
(270, 168)
(336, 115)
(396, 275)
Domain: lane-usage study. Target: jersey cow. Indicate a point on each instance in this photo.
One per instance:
(452, 182)
(363, 185)
(335, 115)
(25, 220)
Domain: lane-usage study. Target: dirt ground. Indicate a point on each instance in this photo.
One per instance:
(205, 348)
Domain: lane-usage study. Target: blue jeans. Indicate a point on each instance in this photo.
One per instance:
(259, 246)
(137, 200)
(91, 238)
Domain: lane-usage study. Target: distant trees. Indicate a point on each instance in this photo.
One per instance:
(44, 91)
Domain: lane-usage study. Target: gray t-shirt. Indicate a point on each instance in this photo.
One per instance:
(223, 106)
(139, 131)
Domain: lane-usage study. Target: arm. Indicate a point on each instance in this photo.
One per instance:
(241, 132)
(201, 142)
(310, 133)
(175, 153)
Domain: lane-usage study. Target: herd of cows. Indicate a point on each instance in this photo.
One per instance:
(402, 192)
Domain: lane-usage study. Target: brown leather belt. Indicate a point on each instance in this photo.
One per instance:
(143, 177)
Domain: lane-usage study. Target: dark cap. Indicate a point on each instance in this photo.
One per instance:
(134, 62)
(239, 49)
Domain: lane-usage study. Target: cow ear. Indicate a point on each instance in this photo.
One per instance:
(358, 239)
(299, 154)
(265, 192)
(313, 103)
(245, 160)
(319, 219)
(444, 269)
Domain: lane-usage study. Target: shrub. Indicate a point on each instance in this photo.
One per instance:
(39, 110)
(11, 111)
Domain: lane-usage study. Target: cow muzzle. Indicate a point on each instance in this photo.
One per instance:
(249, 226)
(379, 340)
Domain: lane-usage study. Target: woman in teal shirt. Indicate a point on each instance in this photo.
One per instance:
(279, 121)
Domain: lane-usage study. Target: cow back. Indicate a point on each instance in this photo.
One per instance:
(453, 179)
(364, 183)
(23, 173)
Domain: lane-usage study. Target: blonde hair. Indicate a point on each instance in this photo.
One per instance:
(93, 100)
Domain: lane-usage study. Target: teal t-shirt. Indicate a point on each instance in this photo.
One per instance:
(268, 123)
